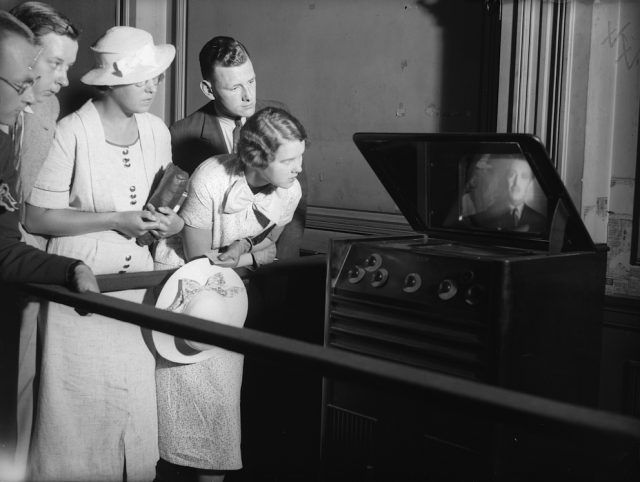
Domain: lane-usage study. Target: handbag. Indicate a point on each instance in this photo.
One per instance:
(170, 192)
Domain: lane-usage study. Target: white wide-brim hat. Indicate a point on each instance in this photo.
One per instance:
(206, 291)
(126, 55)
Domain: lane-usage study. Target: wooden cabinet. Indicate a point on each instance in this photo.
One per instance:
(620, 367)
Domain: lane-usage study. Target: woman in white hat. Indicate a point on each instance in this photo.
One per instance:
(236, 208)
(96, 414)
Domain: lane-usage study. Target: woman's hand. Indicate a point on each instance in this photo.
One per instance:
(238, 255)
(133, 224)
(169, 223)
(230, 257)
(265, 255)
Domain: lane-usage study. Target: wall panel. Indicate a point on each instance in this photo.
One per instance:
(343, 67)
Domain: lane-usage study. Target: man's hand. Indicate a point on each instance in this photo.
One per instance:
(84, 280)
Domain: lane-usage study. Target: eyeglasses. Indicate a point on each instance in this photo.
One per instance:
(23, 86)
(155, 81)
(35, 59)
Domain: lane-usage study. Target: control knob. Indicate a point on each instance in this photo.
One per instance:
(355, 274)
(447, 289)
(379, 278)
(474, 294)
(412, 283)
(373, 262)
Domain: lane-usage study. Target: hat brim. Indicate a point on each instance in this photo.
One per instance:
(107, 75)
(200, 270)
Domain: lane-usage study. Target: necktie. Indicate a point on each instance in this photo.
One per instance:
(17, 147)
(515, 216)
(236, 133)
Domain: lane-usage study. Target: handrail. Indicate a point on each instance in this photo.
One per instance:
(149, 279)
(498, 403)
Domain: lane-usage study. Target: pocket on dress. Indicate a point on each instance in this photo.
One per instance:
(77, 247)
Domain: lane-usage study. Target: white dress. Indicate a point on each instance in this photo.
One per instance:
(96, 406)
(199, 404)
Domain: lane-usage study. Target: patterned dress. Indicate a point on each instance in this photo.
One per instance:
(97, 406)
(199, 403)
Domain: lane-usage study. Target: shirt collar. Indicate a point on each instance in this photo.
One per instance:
(225, 118)
(518, 208)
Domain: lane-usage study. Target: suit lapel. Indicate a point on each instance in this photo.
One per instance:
(211, 130)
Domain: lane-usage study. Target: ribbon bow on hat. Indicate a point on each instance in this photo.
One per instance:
(188, 288)
(141, 58)
(239, 197)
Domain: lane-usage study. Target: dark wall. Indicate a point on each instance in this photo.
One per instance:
(361, 65)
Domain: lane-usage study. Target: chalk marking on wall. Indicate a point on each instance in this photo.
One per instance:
(630, 54)
(601, 207)
(431, 110)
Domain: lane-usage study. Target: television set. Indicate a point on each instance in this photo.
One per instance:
(468, 185)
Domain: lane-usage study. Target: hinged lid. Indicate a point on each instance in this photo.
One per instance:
(499, 189)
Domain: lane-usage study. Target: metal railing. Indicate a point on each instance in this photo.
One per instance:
(478, 399)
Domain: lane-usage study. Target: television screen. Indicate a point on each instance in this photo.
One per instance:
(499, 191)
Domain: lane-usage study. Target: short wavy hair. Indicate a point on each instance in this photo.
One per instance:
(223, 51)
(42, 19)
(10, 26)
(263, 133)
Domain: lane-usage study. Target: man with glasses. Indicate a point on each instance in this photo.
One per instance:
(18, 262)
(57, 39)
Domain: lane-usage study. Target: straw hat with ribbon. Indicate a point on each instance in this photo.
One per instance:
(206, 291)
(126, 55)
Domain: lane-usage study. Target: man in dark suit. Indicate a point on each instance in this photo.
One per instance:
(20, 263)
(229, 82)
(510, 212)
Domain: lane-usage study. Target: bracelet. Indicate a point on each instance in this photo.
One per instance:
(251, 245)
(254, 264)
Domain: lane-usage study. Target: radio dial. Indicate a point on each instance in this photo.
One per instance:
(379, 278)
(447, 289)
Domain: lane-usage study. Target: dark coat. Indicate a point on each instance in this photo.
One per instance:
(20, 263)
(502, 220)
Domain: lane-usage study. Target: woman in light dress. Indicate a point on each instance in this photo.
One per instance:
(96, 414)
(236, 208)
